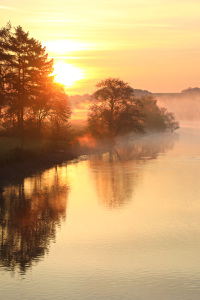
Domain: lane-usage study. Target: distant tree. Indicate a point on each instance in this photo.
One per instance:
(157, 119)
(141, 93)
(115, 110)
(169, 120)
(191, 91)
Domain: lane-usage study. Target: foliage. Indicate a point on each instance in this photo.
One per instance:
(59, 113)
(191, 91)
(29, 96)
(115, 110)
(158, 119)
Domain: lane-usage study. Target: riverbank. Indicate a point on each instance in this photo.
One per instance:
(18, 170)
(38, 155)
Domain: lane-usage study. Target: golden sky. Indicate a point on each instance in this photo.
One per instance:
(152, 44)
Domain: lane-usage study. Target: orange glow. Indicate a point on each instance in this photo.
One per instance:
(87, 141)
(152, 45)
(67, 74)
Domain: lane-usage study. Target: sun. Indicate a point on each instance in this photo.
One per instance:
(67, 74)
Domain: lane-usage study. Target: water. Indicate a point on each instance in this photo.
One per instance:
(121, 225)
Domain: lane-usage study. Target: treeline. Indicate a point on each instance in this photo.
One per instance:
(32, 104)
(30, 100)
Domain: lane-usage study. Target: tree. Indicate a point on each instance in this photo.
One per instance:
(115, 110)
(191, 91)
(59, 113)
(157, 118)
(27, 69)
(169, 120)
(29, 96)
(4, 65)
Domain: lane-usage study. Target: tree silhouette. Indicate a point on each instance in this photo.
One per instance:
(115, 110)
(157, 118)
(27, 66)
(28, 92)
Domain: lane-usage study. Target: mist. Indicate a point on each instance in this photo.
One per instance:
(185, 106)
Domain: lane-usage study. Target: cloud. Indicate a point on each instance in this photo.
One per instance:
(80, 101)
(7, 7)
(151, 25)
(59, 20)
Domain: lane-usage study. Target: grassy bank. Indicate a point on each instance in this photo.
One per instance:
(11, 151)
(36, 155)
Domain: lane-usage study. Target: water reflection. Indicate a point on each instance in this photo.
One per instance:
(145, 147)
(116, 173)
(30, 213)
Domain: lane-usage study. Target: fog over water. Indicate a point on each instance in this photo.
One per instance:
(186, 107)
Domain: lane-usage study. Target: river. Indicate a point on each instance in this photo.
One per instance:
(118, 225)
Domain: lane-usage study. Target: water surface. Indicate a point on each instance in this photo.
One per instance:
(120, 225)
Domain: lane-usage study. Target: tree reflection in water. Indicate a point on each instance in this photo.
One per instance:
(117, 171)
(30, 213)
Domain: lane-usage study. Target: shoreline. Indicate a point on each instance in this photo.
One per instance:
(17, 171)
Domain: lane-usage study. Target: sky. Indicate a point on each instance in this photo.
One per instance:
(151, 44)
